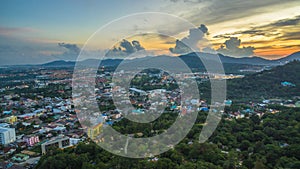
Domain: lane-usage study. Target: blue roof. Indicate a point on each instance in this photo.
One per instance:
(173, 107)
(203, 109)
(7, 112)
(109, 122)
(137, 111)
(285, 83)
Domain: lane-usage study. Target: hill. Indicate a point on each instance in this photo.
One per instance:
(294, 56)
(266, 84)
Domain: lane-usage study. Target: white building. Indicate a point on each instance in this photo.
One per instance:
(7, 135)
(55, 143)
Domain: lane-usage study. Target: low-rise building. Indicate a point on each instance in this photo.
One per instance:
(20, 157)
(10, 119)
(31, 140)
(94, 131)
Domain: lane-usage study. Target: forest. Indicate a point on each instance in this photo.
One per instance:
(267, 142)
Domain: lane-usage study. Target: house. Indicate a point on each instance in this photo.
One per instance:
(20, 158)
(228, 102)
(7, 112)
(138, 91)
(285, 83)
(204, 109)
(6, 165)
(10, 119)
(74, 141)
(138, 111)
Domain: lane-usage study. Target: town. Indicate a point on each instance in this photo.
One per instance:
(38, 113)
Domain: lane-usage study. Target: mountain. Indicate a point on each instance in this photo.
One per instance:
(246, 60)
(59, 63)
(294, 56)
(87, 62)
(191, 59)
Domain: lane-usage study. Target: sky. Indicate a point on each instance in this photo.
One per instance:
(34, 31)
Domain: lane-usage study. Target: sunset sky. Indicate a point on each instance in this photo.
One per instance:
(34, 31)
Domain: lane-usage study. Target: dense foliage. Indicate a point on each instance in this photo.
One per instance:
(266, 84)
(271, 141)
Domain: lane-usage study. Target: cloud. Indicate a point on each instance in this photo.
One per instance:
(286, 22)
(290, 35)
(126, 48)
(136, 44)
(232, 48)
(72, 48)
(71, 54)
(180, 48)
(273, 29)
(191, 41)
(14, 31)
(216, 11)
(251, 32)
(189, 1)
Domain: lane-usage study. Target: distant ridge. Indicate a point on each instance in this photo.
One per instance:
(293, 56)
(59, 63)
(190, 59)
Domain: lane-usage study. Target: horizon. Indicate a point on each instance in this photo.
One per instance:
(121, 58)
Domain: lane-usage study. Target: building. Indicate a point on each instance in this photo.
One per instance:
(32, 140)
(138, 92)
(285, 83)
(6, 165)
(58, 142)
(7, 135)
(297, 104)
(228, 102)
(20, 158)
(10, 119)
(94, 131)
(74, 141)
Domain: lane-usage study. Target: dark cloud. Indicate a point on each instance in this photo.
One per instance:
(292, 46)
(128, 48)
(255, 42)
(137, 45)
(71, 54)
(125, 48)
(232, 48)
(222, 36)
(190, 42)
(251, 32)
(269, 30)
(286, 22)
(290, 36)
(72, 48)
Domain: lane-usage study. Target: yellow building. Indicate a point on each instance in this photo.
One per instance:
(11, 119)
(94, 131)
